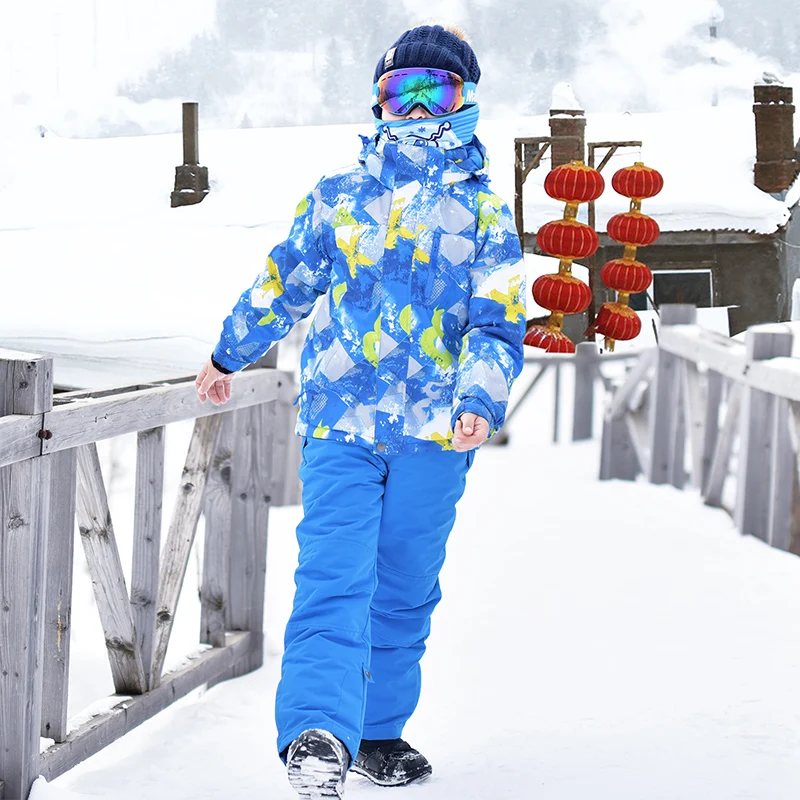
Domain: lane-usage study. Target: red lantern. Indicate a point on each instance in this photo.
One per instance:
(625, 275)
(567, 239)
(637, 181)
(617, 321)
(549, 339)
(574, 183)
(562, 292)
(633, 229)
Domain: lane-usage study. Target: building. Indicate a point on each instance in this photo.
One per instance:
(728, 212)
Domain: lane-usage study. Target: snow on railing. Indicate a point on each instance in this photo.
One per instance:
(240, 461)
(721, 397)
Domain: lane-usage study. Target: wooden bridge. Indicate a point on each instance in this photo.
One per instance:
(241, 460)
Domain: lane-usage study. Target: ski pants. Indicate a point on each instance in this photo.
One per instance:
(372, 543)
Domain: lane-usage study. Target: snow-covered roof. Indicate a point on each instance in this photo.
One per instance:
(705, 155)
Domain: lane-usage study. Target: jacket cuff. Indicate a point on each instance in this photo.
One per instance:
(220, 367)
(473, 405)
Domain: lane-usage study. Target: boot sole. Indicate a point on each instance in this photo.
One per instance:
(418, 778)
(316, 775)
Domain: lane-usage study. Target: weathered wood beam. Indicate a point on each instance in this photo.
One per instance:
(666, 451)
(711, 425)
(216, 558)
(129, 713)
(694, 404)
(147, 541)
(86, 421)
(250, 502)
(782, 478)
(756, 443)
(182, 531)
(712, 493)
(58, 608)
(25, 388)
(108, 580)
(638, 373)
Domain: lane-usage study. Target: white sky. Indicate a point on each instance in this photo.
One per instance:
(62, 49)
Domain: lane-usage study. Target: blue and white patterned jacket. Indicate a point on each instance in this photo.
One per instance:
(422, 317)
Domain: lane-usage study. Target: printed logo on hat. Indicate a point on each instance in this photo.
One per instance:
(389, 58)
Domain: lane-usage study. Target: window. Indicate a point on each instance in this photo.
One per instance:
(694, 286)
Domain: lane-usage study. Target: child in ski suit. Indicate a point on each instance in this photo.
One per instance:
(406, 369)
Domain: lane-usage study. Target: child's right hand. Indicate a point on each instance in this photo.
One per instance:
(213, 384)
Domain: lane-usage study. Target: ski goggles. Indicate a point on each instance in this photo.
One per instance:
(438, 91)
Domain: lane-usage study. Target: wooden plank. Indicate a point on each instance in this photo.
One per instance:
(586, 358)
(712, 493)
(665, 451)
(638, 373)
(147, 541)
(91, 420)
(751, 514)
(618, 457)
(24, 505)
(129, 713)
(711, 424)
(556, 402)
(694, 403)
(250, 473)
(182, 531)
(284, 431)
(677, 453)
(19, 438)
(108, 580)
(778, 376)
(782, 478)
(216, 558)
(637, 432)
(58, 608)
(717, 352)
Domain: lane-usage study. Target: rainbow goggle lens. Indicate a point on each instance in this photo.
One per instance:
(438, 91)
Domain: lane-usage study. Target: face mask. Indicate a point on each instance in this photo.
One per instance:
(447, 132)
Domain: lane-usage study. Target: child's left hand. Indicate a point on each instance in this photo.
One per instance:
(471, 432)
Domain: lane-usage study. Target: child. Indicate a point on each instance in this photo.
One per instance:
(406, 370)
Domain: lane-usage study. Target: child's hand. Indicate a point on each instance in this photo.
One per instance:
(213, 384)
(471, 432)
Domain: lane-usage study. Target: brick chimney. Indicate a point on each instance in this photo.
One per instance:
(776, 159)
(567, 127)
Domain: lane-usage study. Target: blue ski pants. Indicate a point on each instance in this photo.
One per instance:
(372, 543)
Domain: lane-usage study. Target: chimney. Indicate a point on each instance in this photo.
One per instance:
(776, 159)
(567, 127)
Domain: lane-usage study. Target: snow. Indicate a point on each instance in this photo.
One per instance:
(613, 640)
(564, 98)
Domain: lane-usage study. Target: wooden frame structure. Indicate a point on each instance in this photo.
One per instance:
(705, 393)
(240, 461)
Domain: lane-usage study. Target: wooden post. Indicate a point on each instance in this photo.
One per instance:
(191, 180)
(711, 425)
(618, 459)
(782, 477)
(147, 542)
(557, 404)
(58, 610)
(757, 445)
(665, 421)
(26, 387)
(215, 590)
(583, 407)
(191, 134)
(250, 475)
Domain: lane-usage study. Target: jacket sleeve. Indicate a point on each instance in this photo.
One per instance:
(492, 352)
(296, 274)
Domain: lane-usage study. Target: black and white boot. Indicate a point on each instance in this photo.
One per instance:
(317, 762)
(390, 762)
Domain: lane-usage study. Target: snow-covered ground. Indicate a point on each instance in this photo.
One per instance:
(607, 640)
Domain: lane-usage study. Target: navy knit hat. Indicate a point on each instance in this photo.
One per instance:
(431, 46)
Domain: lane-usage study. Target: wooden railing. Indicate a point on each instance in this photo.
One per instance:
(241, 460)
(689, 405)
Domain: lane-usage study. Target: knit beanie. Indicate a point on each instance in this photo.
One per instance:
(434, 47)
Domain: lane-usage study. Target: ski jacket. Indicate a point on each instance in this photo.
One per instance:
(419, 268)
